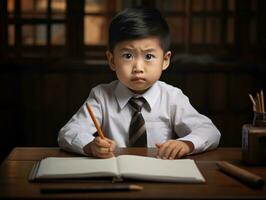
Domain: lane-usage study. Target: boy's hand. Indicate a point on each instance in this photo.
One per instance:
(101, 148)
(172, 149)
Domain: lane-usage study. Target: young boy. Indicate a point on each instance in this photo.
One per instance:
(138, 52)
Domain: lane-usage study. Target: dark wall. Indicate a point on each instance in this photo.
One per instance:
(37, 99)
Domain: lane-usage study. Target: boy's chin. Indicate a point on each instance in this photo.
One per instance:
(139, 90)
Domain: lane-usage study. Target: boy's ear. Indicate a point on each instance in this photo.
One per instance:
(166, 59)
(110, 59)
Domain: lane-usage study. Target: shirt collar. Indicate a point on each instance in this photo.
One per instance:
(123, 94)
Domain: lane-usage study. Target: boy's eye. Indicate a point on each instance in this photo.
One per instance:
(127, 55)
(149, 56)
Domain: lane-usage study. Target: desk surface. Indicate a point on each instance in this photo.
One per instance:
(15, 169)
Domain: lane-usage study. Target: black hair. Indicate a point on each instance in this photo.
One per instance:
(138, 23)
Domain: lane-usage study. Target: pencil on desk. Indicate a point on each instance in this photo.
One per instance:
(100, 132)
(106, 188)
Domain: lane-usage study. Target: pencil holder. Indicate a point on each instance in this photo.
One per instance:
(259, 119)
(254, 140)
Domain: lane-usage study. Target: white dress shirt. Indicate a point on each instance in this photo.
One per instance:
(168, 114)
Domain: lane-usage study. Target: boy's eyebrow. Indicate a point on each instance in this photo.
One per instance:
(149, 50)
(125, 49)
(143, 50)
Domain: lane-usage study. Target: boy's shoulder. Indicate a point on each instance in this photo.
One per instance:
(105, 87)
(167, 88)
(173, 95)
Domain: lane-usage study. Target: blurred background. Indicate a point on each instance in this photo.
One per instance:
(52, 52)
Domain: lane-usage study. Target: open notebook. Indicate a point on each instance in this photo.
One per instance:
(123, 166)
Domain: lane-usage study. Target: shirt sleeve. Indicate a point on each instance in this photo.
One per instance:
(79, 130)
(192, 126)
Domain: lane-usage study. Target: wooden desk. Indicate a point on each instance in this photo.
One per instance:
(16, 167)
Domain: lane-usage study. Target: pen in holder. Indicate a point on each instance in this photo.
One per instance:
(254, 135)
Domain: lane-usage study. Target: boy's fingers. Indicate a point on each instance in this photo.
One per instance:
(161, 151)
(112, 147)
(97, 141)
(165, 150)
(102, 142)
(168, 151)
(102, 150)
(171, 147)
(158, 149)
(182, 152)
(174, 153)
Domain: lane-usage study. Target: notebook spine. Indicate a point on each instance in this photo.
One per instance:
(33, 172)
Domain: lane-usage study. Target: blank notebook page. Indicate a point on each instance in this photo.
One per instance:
(182, 169)
(76, 166)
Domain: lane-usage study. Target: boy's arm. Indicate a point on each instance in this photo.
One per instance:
(79, 130)
(194, 127)
(73, 137)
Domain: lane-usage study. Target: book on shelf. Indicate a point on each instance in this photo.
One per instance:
(120, 167)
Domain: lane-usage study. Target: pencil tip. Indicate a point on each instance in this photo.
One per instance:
(136, 187)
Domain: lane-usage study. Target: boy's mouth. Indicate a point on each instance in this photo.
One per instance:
(138, 79)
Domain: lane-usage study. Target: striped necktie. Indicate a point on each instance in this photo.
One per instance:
(137, 130)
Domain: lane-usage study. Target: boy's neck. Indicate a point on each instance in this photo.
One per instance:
(139, 92)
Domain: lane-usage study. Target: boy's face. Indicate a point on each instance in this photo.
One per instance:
(138, 63)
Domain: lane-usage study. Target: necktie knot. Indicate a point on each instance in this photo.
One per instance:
(137, 103)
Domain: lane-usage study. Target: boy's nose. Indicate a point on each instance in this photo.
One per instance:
(138, 67)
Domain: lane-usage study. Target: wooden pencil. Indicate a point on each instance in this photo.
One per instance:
(253, 102)
(262, 101)
(100, 132)
(259, 103)
(104, 188)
